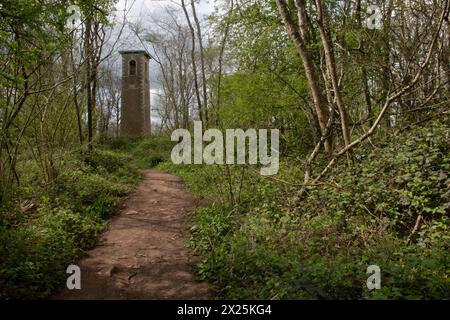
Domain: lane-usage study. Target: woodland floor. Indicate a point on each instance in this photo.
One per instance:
(144, 254)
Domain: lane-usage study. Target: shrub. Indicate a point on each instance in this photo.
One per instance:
(272, 245)
(36, 247)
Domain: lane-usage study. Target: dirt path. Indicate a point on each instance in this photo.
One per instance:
(143, 253)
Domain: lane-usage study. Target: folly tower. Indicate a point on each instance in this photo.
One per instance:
(135, 111)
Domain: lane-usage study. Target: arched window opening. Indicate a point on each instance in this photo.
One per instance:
(132, 68)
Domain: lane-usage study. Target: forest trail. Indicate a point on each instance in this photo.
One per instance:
(143, 254)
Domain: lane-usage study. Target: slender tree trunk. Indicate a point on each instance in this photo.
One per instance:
(88, 60)
(331, 66)
(365, 79)
(319, 100)
(194, 65)
(202, 61)
(221, 54)
(75, 100)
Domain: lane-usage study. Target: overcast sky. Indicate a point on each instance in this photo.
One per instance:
(142, 8)
(144, 12)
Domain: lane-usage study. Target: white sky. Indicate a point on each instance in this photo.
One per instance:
(144, 12)
(142, 8)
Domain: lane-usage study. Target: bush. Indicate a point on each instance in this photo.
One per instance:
(271, 245)
(36, 247)
(108, 160)
(151, 151)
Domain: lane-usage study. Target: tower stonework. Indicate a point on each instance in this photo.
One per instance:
(135, 111)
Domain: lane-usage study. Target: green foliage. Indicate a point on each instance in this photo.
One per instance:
(405, 179)
(272, 245)
(145, 152)
(262, 100)
(37, 253)
(151, 151)
(36, 247)
(109, 160)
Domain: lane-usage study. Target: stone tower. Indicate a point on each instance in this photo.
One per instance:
(135, 111)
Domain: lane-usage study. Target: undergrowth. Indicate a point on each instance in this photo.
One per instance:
(260, 240)
(65, 215)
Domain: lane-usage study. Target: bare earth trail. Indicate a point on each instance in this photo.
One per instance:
(143, 253)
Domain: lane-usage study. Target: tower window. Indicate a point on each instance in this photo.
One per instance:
(132, 68)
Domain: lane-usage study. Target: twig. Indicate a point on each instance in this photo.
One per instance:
(416, 226)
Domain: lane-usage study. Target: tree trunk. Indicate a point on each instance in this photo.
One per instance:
(87, 61)
(331, 66)
(319, 100)
(194, 65)
(202, 61)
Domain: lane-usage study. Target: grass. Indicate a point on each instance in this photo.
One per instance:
(257, 239)
(69, 213)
